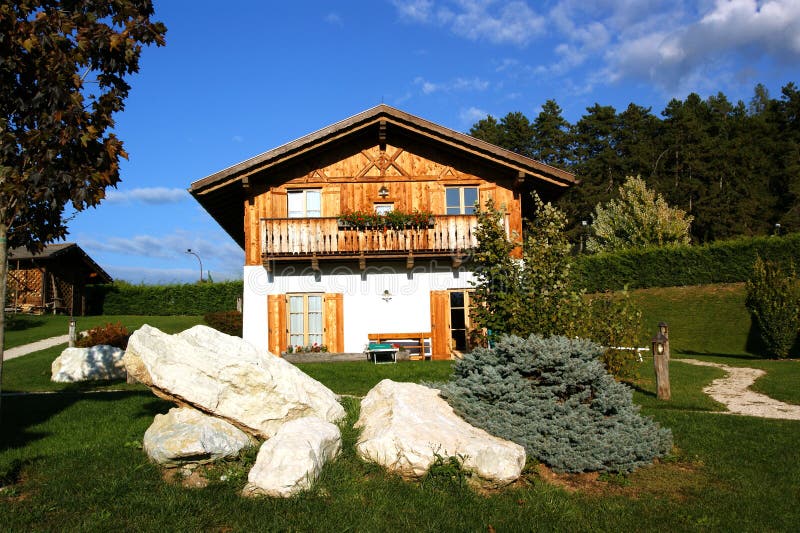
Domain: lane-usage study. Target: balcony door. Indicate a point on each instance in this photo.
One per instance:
(450, 323)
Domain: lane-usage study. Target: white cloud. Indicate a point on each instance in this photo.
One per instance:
(457, 84)
(497, 22)
(168, 246)
(149, 195)
(415, 10)
(674, 45)
(334, 19)
(675, 48)
(471, 115)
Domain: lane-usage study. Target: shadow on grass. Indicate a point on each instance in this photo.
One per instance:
(747, 357)
(640, 390)
(22, 412)
(16, 322)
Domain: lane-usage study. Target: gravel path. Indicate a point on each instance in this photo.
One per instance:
(25, 349)
(733, 392)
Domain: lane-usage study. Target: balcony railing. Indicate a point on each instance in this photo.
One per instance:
(447, 234)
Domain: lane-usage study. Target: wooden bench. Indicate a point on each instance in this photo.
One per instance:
(418, 340)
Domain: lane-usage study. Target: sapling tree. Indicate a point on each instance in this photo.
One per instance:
(63, 70)
(639, 217)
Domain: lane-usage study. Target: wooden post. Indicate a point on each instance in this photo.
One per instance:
(660, 347)
(73, 334)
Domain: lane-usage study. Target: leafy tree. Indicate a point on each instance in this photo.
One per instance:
(639, 217)
(533, 295)
(498, 299)
(54, 145)
(552, 305)
(773, 299)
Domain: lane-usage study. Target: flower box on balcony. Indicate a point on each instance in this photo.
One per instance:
(392, 220)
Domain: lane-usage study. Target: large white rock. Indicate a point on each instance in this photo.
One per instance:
(84, 364)
(185, 435)
(292, 460)
(227, 377)
(404, 426)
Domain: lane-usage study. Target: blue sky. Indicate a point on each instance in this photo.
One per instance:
(238, 78)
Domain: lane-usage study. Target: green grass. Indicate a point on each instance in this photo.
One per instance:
(24, 329)
(358, 378)
(705, 320)
(72, 461)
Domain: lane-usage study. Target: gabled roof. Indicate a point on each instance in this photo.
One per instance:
(222, 194)
(59, 252)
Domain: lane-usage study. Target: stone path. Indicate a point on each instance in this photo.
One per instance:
(43, 344)
(733, 392)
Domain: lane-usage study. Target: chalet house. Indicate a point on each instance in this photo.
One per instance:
(318, 270)
(52, 280)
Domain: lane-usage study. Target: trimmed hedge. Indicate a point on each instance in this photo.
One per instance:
(681, 265)
(164, 300)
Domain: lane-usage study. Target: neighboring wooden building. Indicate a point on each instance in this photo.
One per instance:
(311, 278)
(52, 280)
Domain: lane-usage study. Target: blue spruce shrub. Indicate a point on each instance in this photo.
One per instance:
(553, 397)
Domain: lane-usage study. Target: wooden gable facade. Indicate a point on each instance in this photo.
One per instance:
(382, 159)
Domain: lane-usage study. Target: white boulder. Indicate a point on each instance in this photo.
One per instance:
(227, 377)
(292, 460)
(84, 364)
(185, 435)
(405, 425)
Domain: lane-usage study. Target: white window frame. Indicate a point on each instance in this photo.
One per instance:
(309, 337)
(462, 207)
(305, 198)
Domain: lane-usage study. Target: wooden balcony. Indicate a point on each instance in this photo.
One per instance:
(325, 238)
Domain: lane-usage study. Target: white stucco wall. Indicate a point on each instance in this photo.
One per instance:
(365, 310)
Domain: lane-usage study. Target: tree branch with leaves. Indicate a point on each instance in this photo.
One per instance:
(55, 146)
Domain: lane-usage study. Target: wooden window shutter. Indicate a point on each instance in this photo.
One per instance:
(436, 194)
(279, 207)
(440, 325)
(486, 191)
(333, 318)
(276, 322)
(330, 201)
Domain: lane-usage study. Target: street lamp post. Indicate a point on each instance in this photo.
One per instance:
(189, 251)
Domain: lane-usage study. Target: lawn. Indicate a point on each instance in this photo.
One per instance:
(72, 461)
(24, 329)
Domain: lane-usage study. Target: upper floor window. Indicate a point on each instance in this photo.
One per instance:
(461, 200)
(304, 203)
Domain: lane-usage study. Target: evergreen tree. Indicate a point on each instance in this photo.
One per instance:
(552, 396)
(487, 129)
(517, 134)
(551, 139)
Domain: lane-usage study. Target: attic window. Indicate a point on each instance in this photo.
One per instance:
(461, 200)
(304, 203)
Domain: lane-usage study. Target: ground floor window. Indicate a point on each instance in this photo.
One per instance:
(305, 319)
